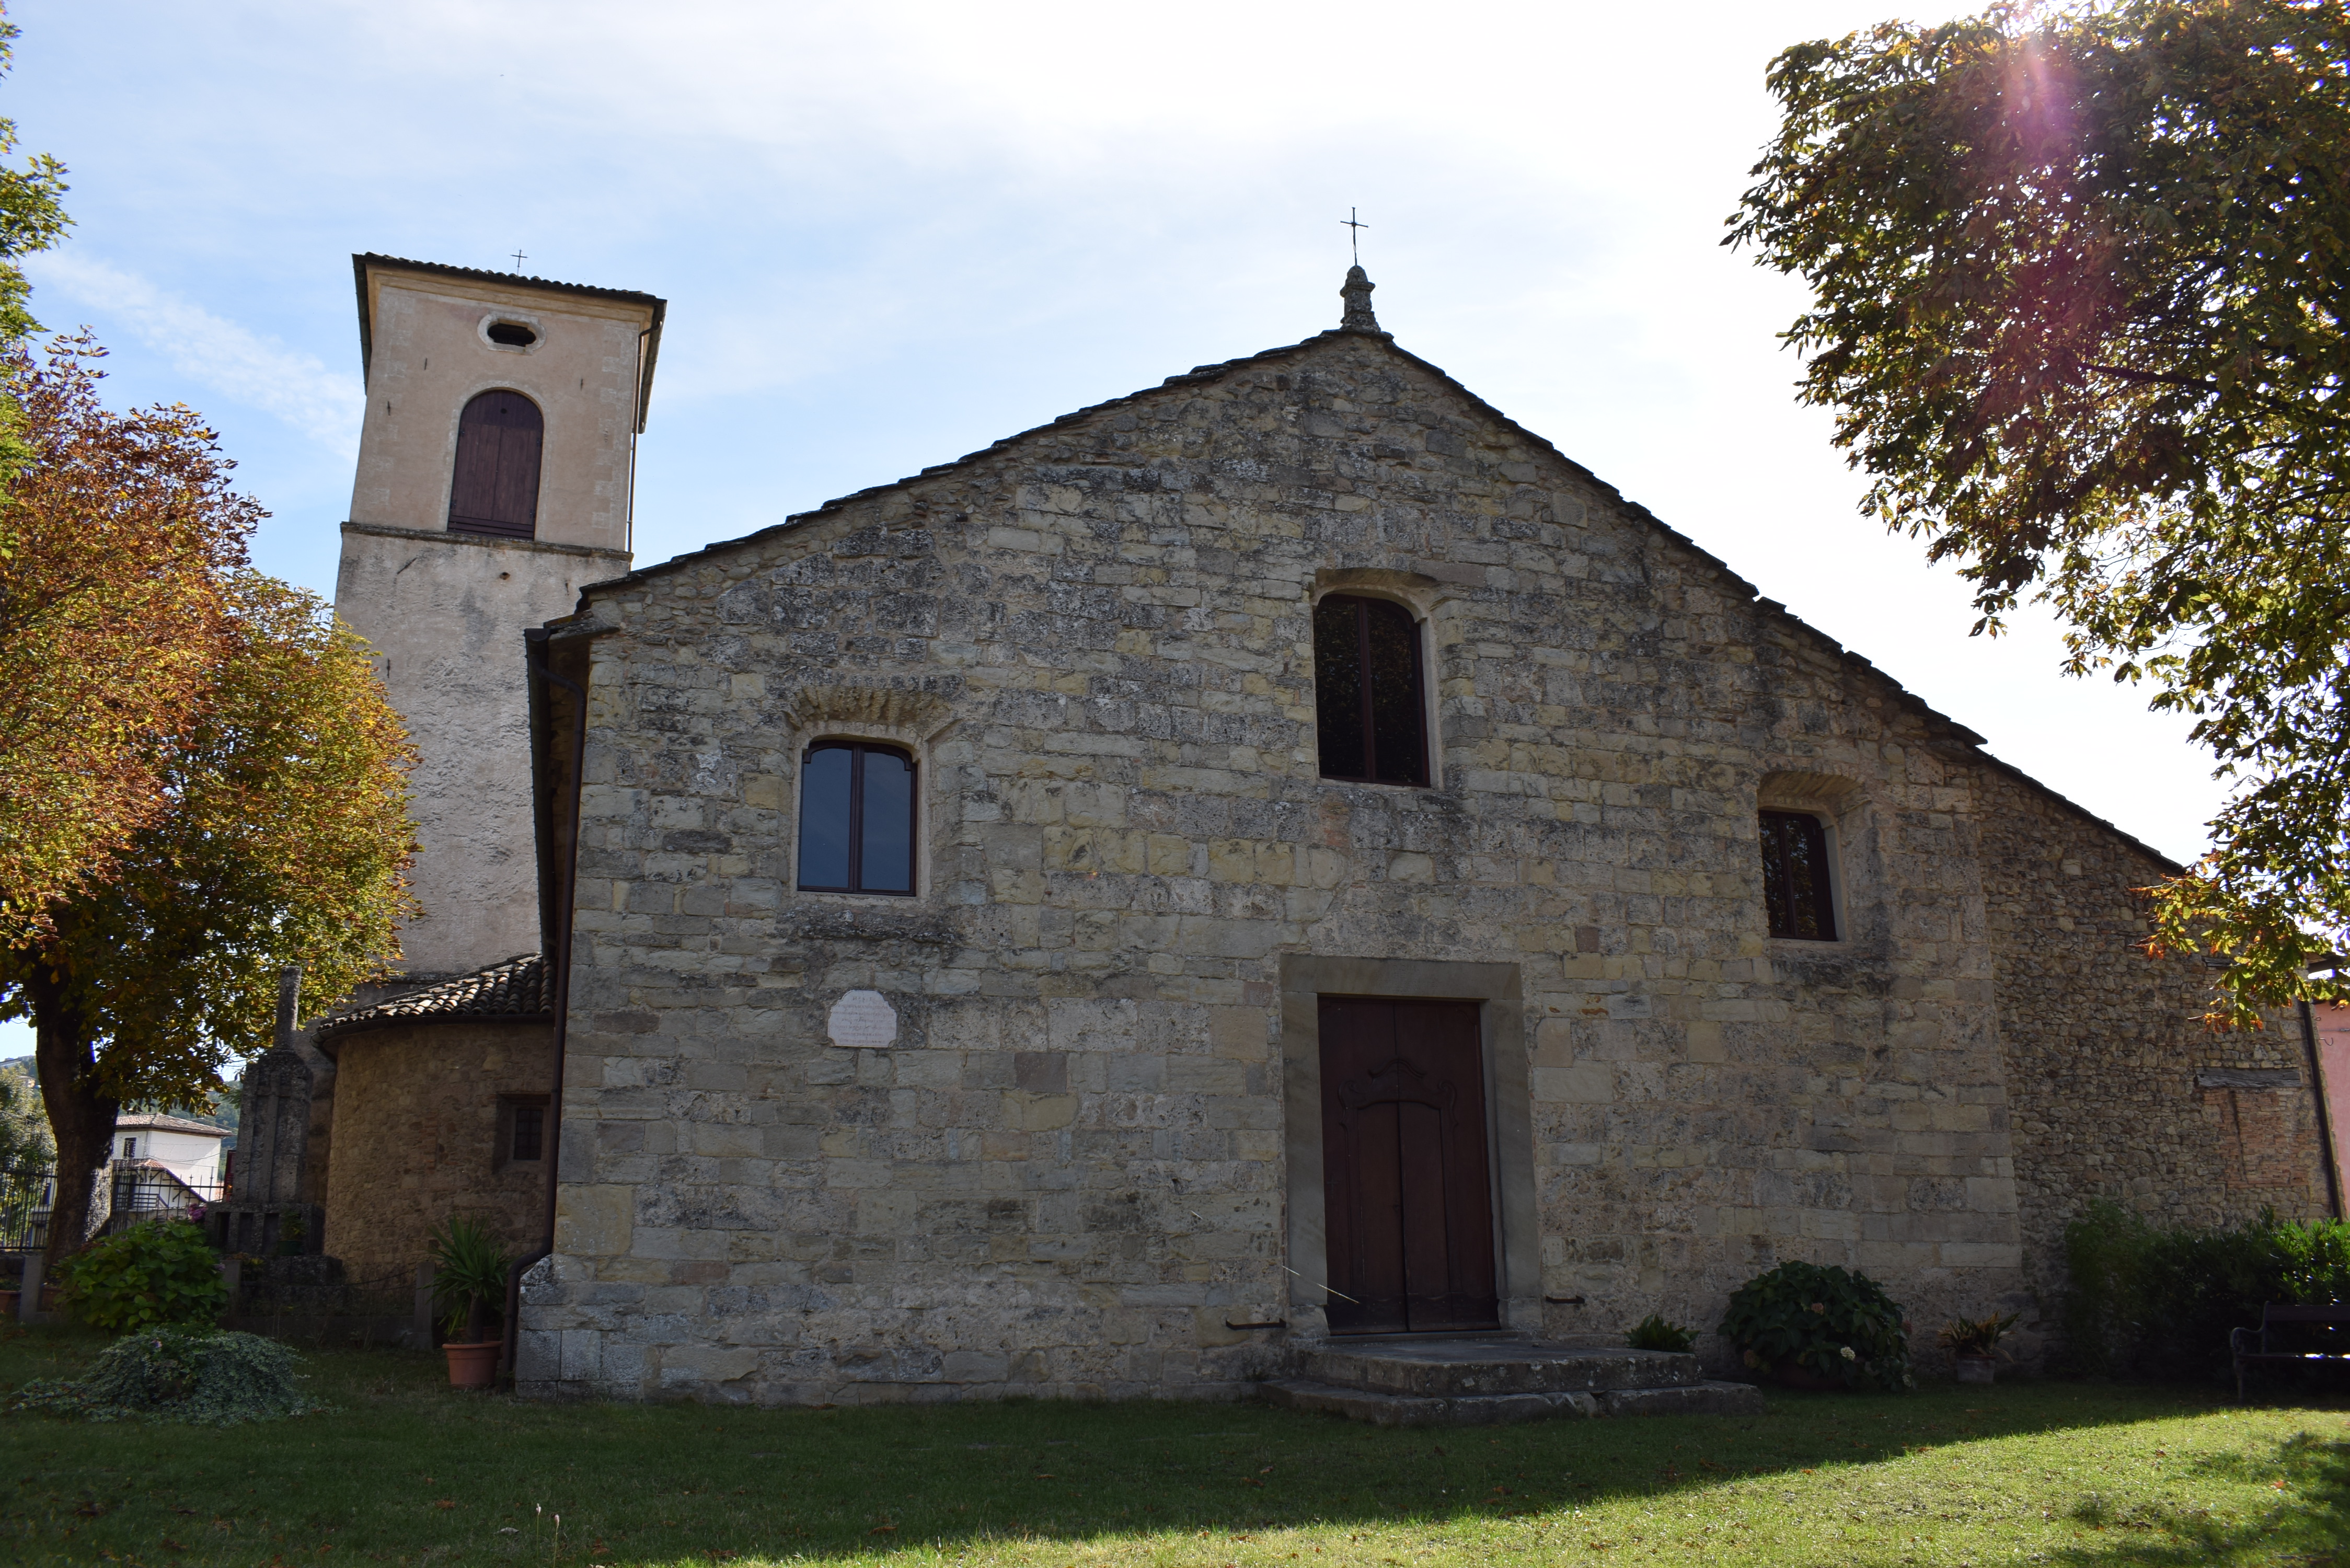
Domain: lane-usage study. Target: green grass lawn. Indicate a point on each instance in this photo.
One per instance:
(403, 1470)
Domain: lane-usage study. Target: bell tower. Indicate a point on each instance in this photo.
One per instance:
(496, 476)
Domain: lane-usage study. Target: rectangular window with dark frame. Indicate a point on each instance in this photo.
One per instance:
(1797, 889)
(856, 819)
(521, 1129)
(1369, 705)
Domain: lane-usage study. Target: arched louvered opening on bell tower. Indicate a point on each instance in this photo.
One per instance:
(495, 486)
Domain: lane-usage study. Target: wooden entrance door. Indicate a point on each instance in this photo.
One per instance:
(1408, 1206)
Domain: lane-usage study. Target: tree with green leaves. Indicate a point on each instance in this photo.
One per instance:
(2080, 280)
(31, 217)
(286, 842)
(24, 1143)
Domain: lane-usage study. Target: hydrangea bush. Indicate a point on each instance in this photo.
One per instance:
(145, 1276)
(1826, 1321)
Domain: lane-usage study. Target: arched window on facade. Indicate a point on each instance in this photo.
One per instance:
(1798, 885)
(495, 490)
(856, 819)
(1369, 706)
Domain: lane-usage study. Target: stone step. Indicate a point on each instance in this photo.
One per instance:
(1386, 1409)
(1449, 1367)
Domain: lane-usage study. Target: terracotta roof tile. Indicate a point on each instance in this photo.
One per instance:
(517, 988)
(141, 1121)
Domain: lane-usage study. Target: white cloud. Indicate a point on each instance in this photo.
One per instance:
(892, 231)
(324, 405)
(1067, 85)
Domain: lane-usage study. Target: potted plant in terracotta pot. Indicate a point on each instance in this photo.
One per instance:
(469, 1283)
(1972, 1344)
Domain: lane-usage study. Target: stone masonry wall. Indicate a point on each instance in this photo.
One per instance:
(416, 1135)
(1065, 1173)
(2106, 1048)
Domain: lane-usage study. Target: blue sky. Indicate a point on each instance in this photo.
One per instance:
(891, 233)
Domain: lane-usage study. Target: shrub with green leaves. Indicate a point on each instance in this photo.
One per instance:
(1653, 1333)
(1829, 1321)
(2159, 1302)
(146, 1275)
(204, 1378)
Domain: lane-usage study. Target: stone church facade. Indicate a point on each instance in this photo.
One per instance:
(1082, 1110)
(1088, 1153)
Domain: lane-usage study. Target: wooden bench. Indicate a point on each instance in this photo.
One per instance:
(2252, 1344)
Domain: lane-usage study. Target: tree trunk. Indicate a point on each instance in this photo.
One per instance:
(81, 1118)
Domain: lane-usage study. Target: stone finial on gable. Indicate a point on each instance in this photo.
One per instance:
(1357, 295)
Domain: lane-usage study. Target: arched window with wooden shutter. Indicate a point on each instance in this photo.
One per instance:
(1368, 696)
(495, 490)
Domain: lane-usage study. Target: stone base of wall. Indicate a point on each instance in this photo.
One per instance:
(563, 1353)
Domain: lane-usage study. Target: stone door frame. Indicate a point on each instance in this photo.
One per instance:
(1305, 979)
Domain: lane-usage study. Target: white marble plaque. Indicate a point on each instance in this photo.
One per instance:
(862, 1018)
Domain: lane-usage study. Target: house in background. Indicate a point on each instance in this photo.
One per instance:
(189, 1150)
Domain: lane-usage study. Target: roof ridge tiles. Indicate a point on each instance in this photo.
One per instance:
(446, 269)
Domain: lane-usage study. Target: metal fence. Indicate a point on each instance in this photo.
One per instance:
(25, 1199)
(140, 1190)
(125, 1193)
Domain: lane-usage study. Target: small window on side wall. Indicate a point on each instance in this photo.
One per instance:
(856, 819)
(1368, 708)
(1797, 887)
(521, 1129)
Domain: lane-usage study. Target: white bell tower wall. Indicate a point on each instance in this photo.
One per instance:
(445, 605)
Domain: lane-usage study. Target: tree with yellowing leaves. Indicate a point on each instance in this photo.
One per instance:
(116, 532)
(286, 841)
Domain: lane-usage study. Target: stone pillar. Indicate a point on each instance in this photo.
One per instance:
(273, 1131)
(273, 1138)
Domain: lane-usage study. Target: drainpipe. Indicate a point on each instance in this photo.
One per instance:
(558, 957)
(2325, 1118)
(636, 424)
